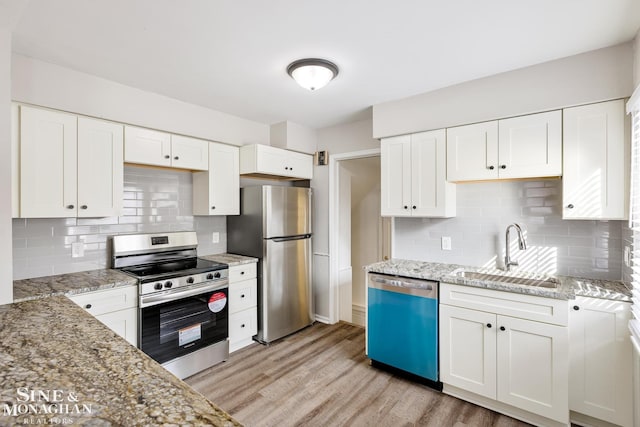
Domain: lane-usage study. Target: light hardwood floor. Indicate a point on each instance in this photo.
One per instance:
(321, 377)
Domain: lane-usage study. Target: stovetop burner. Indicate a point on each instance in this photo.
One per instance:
(173, 268)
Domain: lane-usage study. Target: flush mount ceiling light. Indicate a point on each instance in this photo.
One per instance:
(312, 73)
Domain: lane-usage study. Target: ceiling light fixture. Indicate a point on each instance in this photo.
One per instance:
(312, 73)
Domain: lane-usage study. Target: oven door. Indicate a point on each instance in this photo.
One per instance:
(176, 323)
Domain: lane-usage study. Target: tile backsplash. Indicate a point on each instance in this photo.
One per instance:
(578, 248)
(155, 200)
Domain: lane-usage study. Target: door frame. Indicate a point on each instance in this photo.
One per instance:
(334, 211)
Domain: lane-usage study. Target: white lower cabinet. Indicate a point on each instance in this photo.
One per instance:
(600, 361)
(243, 305)
(117, 308)
(490, 348)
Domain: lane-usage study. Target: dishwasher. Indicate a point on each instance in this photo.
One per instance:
(402, 325)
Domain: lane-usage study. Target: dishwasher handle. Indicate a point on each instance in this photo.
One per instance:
(404, 285)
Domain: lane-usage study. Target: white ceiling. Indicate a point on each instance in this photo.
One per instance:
(231, 55)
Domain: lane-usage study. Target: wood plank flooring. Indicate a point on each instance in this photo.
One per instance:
(321, 377)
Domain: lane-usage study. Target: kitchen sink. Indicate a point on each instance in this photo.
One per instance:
(532, 280)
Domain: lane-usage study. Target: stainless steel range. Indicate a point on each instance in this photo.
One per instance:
(183, 318)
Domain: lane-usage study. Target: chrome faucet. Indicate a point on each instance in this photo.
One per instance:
(522, 244)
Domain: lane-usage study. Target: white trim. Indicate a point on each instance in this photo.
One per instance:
(634, 102)
(322, 319)
(333, 223)
(358, 314)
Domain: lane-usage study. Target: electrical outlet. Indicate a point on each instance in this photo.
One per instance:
(627, 256)
(215, 237)
(77, 250)
(446, 243)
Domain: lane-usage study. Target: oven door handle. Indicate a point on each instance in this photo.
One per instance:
(151, 300)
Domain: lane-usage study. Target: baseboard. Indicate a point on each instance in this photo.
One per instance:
(587, 421)
(322, 319)
(358, 314)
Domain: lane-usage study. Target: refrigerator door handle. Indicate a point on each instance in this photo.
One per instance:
(286, 239)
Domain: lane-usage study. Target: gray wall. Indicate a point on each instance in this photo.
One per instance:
(577, 248)
(6, 288)
(589, 77)
(155, 200)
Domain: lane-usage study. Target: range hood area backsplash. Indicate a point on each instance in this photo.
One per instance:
(155, 200)
(580, 248)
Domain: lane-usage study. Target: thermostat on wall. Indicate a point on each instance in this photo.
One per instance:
(321, 157)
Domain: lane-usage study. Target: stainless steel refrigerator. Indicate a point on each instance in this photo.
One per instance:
(274, 225)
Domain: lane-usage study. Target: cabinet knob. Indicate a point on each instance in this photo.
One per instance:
(166, 156)
(242, 296)
(242, 272)
(176, 158)
(290, 168)
(286, 168)
(414, 207)
(406, 207)
(488, 325)
(503, 166)
(502, 328)
(88, 306)
(70, 206)
(242, 326)
(491, 168)
(576, 308)
(213, 207)
(83, 207)
(569, 206)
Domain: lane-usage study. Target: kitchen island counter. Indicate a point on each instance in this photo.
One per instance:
(568, 287)
(93, 376)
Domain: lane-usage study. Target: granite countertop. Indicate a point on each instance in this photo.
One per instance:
(69, 284)
(568, 287)
(53, 345)
(230, 259)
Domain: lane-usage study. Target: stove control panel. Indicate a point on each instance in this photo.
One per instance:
(179, 282)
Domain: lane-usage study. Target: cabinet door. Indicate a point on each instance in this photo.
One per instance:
(123, 323)
(269, 160)
(468, 349)
(189, 153)
(146, 146)
(472, 152)
(595, 183)
(530, 146)
(431, 194)
(395, 175)
(600, 366)
(242, 326)
(48, 164)
(533, 367)
(100, 168)
(300, 164)
(222, 182)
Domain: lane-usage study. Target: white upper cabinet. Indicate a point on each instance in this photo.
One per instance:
(152, 147)
(264, 160)
(69, 166)
(48, 163)
(595, 183)
(413, 176)
(100, 168)
(217, 191)
(189, 153)
(146, 146)
(530, 146)
(520, 147)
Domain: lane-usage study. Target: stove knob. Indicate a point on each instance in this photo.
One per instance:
(157, 286)
(216, 275)
(168, 284)
(190, 280)
(209, 276)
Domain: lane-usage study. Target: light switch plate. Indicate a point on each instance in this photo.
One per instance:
(446, 243)
(215, 237)
(77, 250)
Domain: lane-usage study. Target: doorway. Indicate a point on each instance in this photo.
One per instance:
(358, 234)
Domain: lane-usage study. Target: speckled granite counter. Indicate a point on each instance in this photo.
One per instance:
(51, 344)
(568, 287)
(230, 259)
(69, 284)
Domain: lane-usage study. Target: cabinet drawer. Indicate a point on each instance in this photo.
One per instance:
(529, 307)
(242, 272)
(243, 295)
(101, 302)
(243, 325)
